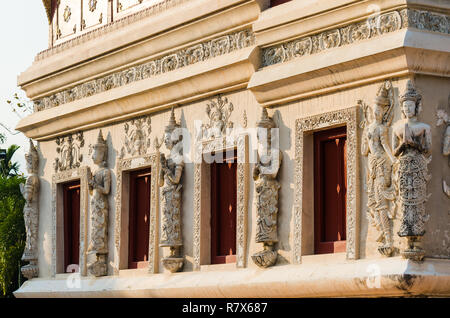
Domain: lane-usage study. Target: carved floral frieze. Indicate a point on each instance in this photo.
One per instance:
(374, 26)
(173, 61)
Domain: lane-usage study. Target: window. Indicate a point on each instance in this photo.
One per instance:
(330, 188)
(139, 218)
(223, 210)
(274, 3)
(71, 192)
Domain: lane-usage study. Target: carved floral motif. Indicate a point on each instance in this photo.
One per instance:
(168, 63)
(372, 27)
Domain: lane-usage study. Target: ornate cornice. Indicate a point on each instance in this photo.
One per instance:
(372, 27)
(167, 63)
(145, 13)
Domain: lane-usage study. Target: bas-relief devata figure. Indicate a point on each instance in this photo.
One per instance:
(30, 191)
(266, 190)
(411, 143)
(219, 114)
(169, 179)
(375, 145)
(444, 119)
(99, 185)
(137, 139)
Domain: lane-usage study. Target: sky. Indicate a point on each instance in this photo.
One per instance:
(24, 33)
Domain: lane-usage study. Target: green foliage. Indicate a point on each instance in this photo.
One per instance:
(2, 138)
(8, 168)
(12, 234)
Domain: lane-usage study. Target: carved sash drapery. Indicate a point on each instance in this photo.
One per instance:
(224, 143)
(308, 125)
(124, 165)
(58, 179)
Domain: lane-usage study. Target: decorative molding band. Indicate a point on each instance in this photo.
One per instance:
(145, 13)
(170, 62)
(372, 27)
(126, 165)
(306, 126)
(59, 178)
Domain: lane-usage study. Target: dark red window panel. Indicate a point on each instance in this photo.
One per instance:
(330, 190)
(223, 210)
(274, 3)
(71, 217)
(139, 218)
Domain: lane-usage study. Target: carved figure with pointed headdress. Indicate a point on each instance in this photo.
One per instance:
(100, 186)
(30, 191)
(412, 143)
(170, 181)
(266, 190)
(375, 145)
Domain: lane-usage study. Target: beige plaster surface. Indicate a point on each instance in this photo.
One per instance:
(329, 81)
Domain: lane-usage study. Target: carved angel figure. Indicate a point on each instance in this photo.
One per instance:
(444, 119)
(30, 192)
(375, 145)
(266, 190)
(219, 113)
(169, 179)
(411, 143)
(135, 139)
(100, 184)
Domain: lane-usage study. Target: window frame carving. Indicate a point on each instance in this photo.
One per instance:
(202, 206)
(58, 179)
(307, 126)
(125, 166)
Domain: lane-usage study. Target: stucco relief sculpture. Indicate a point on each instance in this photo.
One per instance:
(266, 191)
(99, 186)
(137, 140)
(444, 119)
(375, 145)
(69, 152)
(30, 192)
(170, 181)
(219, 114)
(411, 144)
(170, 62)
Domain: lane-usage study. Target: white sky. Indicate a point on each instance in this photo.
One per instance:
(23, 34)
